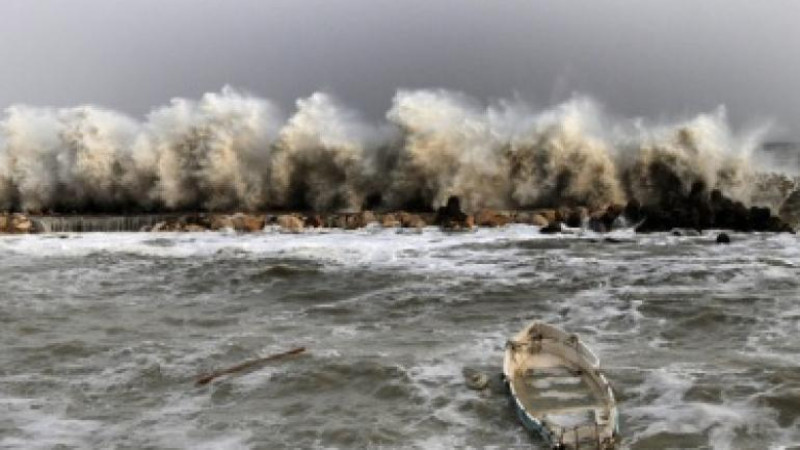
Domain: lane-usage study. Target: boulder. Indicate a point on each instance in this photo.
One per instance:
(248, 223)
(194, 228)
(723, 238)
(336, 221)
(314, 221)
(549, 214)
(451, 217)
(490, 218)
(411, 221)
(522, 217)
(17, 223)
(20, 223)
(552, 227)
(390, 220)
(597, 222)
(290, 222)
(539, 220)
(220, 222)
(469, 222)
(576, 217)
(359, 220)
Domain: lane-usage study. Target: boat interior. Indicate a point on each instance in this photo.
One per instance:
(557, 380)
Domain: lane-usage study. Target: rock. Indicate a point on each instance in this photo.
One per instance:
(249, 223)
(359, 220)
(20, 223)
(548, 214)
(469, 222)
(633, 211)
(194, 228)
(576, 217)
(597, 222)
(290, 222)
(451, 217)
(390, 221)
(539, 220)
(220, 222)
(552, 227)
(723, 238)
(522, 217)
(490, 218)
(5, 223)
(314, 221)
(336, 221)
(411, 221)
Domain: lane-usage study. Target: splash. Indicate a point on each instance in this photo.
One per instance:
(232, 151)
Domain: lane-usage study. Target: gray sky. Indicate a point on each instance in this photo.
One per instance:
(652, 58)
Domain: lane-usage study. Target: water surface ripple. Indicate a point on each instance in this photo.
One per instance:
(103, 334)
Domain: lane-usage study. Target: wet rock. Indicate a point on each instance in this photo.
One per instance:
(20, 223)
(539, 221)
(548, 214)
(408, 220)
(336, 221)
(633, 211)
(220, 222)
(290, 222)
(390, 220)
(723, 238)
(576, 217)
(450, 216)
(194, 228)
(249, 223)
(17, 223)
(597, 222)
(552, 227)
(314, 221)
(490, 218)
(360, 220)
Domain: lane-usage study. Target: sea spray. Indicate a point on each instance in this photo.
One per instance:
(233, 151)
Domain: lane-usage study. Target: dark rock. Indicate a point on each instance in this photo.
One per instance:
(551, 228)
(576, 217)
(451, 217)
(723, 238)
(314, 221)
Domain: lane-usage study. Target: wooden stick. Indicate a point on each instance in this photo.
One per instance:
(202, 381)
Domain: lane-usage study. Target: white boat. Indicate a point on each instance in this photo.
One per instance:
(558, 390)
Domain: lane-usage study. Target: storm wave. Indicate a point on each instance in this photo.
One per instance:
(233, 151)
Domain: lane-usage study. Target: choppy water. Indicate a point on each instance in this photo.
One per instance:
(103, 334)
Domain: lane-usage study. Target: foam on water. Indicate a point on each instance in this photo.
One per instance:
(104, 334)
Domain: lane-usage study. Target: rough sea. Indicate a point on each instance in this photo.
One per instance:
(102, 336)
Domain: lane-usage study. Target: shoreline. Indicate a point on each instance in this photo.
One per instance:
(450, 218)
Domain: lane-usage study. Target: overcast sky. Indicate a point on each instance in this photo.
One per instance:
(652, 58)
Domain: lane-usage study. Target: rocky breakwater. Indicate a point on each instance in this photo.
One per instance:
(17, 223)
(692, 212)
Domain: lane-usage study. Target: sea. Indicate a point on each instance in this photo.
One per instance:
(103, 335)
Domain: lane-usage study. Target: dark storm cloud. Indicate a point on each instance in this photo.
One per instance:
(649, 58)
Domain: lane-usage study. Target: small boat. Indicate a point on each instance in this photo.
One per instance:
(558, 391)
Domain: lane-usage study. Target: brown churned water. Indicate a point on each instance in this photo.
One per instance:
(103, 334)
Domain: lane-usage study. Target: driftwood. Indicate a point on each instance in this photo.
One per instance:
(202, 381)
